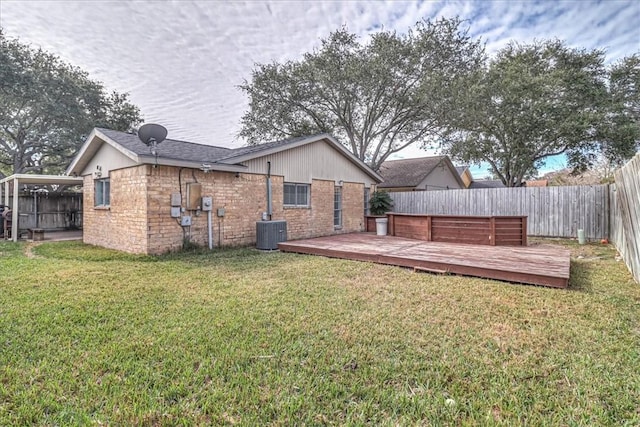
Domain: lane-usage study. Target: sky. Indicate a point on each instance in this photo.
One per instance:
(181, 61)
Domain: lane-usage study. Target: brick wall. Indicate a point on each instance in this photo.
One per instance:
(352, 207)
(122, 226)
(242, 197)
(318, 220)
(139, 219)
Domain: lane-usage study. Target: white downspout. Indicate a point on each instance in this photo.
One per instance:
(210, 229)
(14, 213)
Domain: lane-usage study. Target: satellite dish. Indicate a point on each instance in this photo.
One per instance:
(152, 134)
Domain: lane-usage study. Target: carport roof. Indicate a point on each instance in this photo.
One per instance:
(24, 178)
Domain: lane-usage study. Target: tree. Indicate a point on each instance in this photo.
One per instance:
(46, 108)
(375, 98)
(529, 103)
(620, 133)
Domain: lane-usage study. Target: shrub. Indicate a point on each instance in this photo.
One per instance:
(380, 203)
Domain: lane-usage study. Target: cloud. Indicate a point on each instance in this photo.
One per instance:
(181, 61)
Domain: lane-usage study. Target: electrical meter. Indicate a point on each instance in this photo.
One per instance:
(207, 203)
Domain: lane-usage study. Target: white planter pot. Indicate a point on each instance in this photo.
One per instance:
(381, 226)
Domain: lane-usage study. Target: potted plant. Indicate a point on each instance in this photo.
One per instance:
(379, 204)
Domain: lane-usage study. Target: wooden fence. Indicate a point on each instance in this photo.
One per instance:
(625, 214)
(49, 211)
(551, 211)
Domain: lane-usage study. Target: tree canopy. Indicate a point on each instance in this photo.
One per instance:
(621, 129)
(47, 106)
(533, 101)
(377, 97)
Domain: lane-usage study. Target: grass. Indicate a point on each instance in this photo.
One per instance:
(90, 336)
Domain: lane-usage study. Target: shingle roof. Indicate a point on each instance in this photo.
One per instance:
(237, 152)
(182, 153)
(487, 183)
(407, 172)
(169, 148)
(190, 151)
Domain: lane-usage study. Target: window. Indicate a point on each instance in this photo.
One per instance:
(102, 192)
(366, 201)
(337, 207)
(296, 195)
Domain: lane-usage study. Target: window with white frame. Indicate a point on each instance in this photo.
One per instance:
(296, 195)
(337, 207)
(102, 189)
(366, 201)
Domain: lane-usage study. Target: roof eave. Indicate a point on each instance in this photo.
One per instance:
(42, 179)
(91, 145)
(213, 166)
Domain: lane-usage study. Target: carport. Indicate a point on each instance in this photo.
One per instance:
(17, 179)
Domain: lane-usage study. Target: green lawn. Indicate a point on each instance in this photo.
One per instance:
(91, 336)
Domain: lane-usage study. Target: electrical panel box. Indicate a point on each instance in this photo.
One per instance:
(194, 196)
(175, 211)
(185, 221)
(176, 199)
(207, 203)
(220, 212)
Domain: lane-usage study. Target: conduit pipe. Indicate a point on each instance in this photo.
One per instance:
(210, 229)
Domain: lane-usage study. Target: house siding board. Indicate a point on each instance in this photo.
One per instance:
(108, 158)
(317, 160)
(466, 178)
(440, 178)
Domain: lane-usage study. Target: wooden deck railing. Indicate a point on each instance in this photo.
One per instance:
(479, 230)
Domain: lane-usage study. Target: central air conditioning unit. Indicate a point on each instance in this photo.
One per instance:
(270, 233)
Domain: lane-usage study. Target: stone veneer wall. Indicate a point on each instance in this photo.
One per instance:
(139, 220)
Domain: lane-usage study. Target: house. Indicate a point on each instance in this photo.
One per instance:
(537, 183)
(465, 175)
(150, 201)
(420, 174)
(486, 183)
(470, 182)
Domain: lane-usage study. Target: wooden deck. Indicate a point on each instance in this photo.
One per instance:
(545, 265)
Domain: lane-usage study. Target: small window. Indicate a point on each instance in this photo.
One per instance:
(366, 201)
(102, 192)
(296, 195)
(337, 207)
